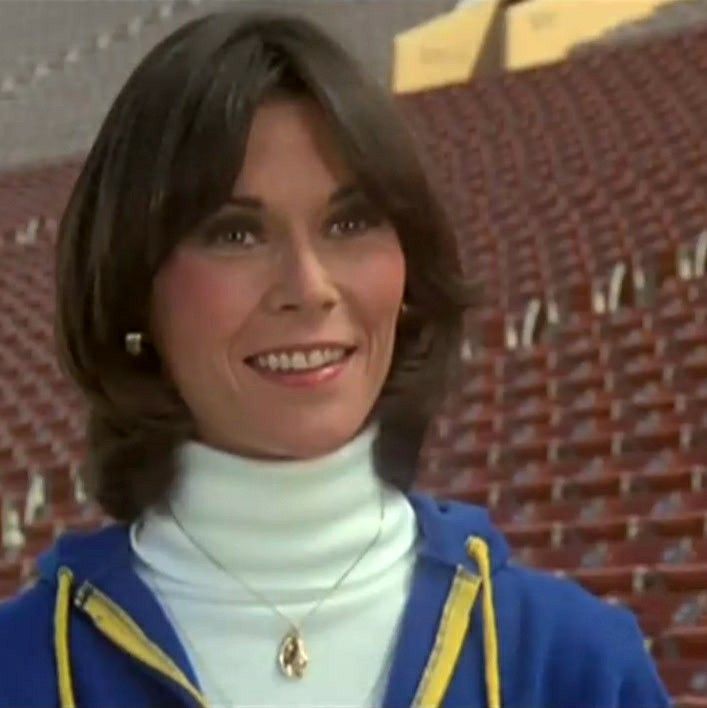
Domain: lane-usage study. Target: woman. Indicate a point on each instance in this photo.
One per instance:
(261, 301)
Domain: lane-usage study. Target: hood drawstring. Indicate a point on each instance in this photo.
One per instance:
(478, 550)
(476, 547)
(61, 639)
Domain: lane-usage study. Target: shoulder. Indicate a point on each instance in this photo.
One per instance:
(585, 649)
(26, 648)
(543, 598)
(31, 608)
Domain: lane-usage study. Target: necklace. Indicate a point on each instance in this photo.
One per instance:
(378, 686)
(292, 656)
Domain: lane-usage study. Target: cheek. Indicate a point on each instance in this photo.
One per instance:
(381, 283)
(196, 301)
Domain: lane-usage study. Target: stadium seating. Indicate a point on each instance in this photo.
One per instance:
(580, 187)
(585, 188)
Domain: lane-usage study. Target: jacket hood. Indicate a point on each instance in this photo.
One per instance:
(445, 527)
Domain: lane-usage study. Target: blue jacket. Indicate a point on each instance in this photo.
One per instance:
(477, 631)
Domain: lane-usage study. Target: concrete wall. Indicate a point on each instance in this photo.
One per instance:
(63, 61)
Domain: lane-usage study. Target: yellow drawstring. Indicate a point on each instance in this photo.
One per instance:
(61, 639)
(465, 593)
(450, 640)
(478, 550)
(453, 630)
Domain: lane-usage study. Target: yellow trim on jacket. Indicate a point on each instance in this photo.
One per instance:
(113, 622)
(453, 630)
(62, 612)
(478, 549)
(449, 641)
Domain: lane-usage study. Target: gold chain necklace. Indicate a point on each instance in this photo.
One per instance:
(202, 668)
(292, 656)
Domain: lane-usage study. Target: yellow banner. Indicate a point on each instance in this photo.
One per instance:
(544, 31)
(443, 50)
(448, 49)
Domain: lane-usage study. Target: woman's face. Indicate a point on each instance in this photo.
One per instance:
(295, 270)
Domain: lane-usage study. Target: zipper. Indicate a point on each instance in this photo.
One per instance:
(115, 624)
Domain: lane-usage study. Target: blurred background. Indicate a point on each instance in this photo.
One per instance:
(568, 138)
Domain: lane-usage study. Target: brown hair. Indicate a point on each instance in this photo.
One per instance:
(166, 157)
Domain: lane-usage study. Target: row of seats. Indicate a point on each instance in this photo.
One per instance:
(32, 194)
(614, 307)
(684, 676)
(17, 565)
(563, 171)
(641, 551)
(665, 472)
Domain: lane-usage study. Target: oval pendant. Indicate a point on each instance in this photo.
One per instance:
(293, 658)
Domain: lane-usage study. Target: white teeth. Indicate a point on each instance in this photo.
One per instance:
(300, 361)
(316, 358)
(334, 355)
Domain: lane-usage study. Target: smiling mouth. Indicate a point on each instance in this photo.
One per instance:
(287, 367)
(310, 378)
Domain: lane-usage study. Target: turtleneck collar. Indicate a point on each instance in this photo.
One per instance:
(293, 526)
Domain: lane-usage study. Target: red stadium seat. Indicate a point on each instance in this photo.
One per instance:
(603, 581)
(682, 643)
(657, 610)
(680, 577)
(684, 676)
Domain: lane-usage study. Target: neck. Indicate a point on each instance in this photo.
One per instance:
(293, 524)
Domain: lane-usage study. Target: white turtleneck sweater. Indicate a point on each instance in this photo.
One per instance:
(289, 529)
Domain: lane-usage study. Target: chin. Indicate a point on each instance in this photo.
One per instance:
(325, 439)
(304, 449)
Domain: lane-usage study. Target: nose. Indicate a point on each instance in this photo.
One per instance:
(304, 280)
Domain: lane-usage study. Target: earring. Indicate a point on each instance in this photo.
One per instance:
(133, 343)
(404, 309)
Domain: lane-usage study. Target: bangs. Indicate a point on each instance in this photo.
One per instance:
(203, 139)
(190, 170)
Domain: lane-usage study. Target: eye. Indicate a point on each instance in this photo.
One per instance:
(239, 234)
(349, 226)
(236, 237)
(355, 222)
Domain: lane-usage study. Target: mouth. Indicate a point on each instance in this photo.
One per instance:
(318, 366)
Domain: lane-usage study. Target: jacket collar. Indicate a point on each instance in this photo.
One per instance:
(102, 557)
(446, 526)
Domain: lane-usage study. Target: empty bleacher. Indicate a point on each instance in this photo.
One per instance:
(579, 194)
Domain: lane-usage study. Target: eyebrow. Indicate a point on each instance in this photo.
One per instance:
(342, 194)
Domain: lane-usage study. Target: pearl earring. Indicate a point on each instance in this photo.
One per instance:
(133, 343)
